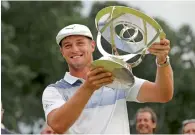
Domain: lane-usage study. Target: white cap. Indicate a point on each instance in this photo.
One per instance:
(74, 29)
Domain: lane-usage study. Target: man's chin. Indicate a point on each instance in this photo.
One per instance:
(143, 132)
(77, 66)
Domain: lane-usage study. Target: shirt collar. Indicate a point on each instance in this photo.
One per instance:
(72, 79)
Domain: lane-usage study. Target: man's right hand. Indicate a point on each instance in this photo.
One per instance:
(97, 77)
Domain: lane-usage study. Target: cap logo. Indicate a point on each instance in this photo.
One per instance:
(70, 27)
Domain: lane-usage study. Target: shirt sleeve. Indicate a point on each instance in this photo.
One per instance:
(51, 100)
(133, 92)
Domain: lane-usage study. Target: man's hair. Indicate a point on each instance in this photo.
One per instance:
(185, 122)
(152, 113)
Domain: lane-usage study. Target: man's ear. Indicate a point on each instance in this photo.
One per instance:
(61, 50)
(154, 125)
(93, 45)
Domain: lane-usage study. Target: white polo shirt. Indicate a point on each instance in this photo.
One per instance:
(105, 112)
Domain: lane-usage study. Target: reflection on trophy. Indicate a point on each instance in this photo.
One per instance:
(128, 33)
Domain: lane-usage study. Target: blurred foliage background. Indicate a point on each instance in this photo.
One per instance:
(30, 60)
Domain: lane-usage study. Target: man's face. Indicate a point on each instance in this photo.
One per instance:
(77, 50)
(144, 124)
(189, 128)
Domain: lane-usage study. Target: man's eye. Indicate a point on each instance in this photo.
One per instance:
(67, 46)
(145, 120)
(80, 43)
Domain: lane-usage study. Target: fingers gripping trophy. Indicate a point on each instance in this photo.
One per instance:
(130, 33)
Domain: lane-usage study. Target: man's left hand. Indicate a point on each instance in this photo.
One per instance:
(161, 50)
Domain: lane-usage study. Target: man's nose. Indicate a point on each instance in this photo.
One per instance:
(74, 48)
(142, 122)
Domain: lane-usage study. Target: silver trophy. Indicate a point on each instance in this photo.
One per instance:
(128, 33)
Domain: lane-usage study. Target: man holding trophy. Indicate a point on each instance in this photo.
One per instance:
(91, 98)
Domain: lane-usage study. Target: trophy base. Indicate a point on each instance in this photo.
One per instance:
(123, 76)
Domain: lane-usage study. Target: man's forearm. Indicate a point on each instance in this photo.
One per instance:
(64, 117)
(164, 81)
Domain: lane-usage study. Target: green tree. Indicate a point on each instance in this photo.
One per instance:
(30, 56)
(31, 60)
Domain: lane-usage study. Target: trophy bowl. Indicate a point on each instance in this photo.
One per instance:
(128, 33)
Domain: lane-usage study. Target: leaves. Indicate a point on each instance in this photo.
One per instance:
(31, 60)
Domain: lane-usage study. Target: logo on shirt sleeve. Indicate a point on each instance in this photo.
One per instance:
(46, 106)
